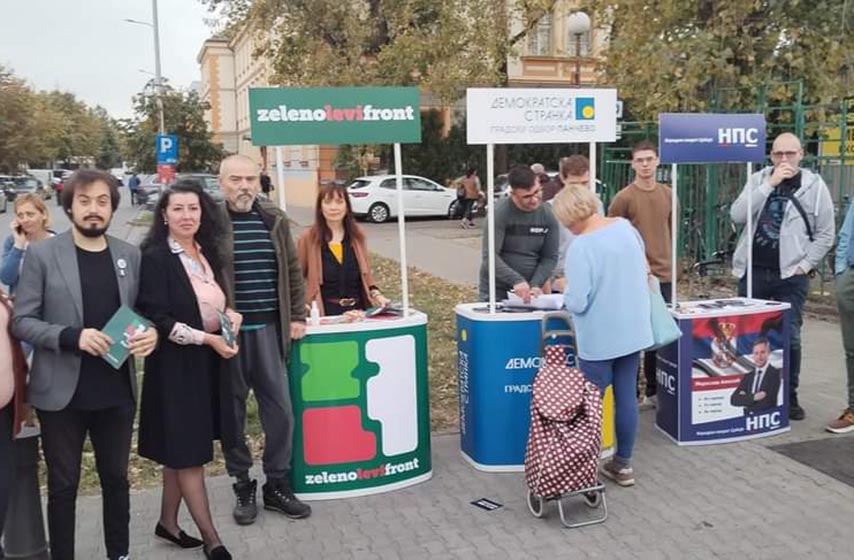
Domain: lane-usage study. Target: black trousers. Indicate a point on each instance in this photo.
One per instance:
(63, 434)
(7, 463)
(650, 361)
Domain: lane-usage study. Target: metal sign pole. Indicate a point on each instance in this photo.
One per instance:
(490, 220)
(592, 153)
(749, 238)
(401, 229)
(280, 174)
(674, 232)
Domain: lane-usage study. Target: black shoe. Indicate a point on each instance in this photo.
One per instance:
(183, 539)
(245, 510)
(218, 552)
(279, 497)
(796, 412)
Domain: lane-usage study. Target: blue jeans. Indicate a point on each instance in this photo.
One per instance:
(622, 373)
(767, 284)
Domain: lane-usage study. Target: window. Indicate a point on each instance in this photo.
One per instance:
(389, 184)
(413, 184)
(540, 37)
(585, 44)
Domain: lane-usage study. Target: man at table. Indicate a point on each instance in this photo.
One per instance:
(526, 240)
(758, 389)
(793, 229)
(266, 279)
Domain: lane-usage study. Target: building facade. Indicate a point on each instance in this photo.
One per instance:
(547, 56)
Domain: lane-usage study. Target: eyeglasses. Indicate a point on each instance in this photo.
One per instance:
(789, 154)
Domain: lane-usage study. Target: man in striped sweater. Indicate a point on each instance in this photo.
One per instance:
(266, 283)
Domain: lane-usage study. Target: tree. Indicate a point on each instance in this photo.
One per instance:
(17, 113)
(184, 116)
(443, 46)
(673, 55)
(109, 152)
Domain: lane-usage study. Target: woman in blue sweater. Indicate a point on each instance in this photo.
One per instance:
(608, 296)
(31, 223)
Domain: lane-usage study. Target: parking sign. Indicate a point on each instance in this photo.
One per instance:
(166, 146)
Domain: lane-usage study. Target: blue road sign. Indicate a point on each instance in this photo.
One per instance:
(711, 137)
(166, 146)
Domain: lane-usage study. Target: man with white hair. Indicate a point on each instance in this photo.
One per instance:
(264, 276)
(793, 229)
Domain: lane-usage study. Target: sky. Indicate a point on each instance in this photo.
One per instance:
(85, 47)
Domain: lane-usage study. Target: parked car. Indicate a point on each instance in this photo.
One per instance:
(149, 190)
(209, 182)
(21, 184)
(3, 201)
(375, 197)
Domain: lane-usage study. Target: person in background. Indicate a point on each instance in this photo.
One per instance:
(540, 171)
(844, 270)
(608, 296)
(13, 375)
(647, 204)
(31, 223)
(334, 258)
(269, 292)
(266, 184)
(187, 381)
(70, 287)
(793, 220)
(574, 173)
(526, 241)
(470, 185)
(133, 187)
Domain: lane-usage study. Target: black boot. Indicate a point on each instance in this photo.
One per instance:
(278, 496)
(245, 510)
(796, 412)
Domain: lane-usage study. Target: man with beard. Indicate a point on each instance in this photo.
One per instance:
(264, 275)
(70, 287)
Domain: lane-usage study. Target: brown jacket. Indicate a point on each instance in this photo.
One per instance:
(19, 370)
(471, 186)
(291, 287)
(308, 250)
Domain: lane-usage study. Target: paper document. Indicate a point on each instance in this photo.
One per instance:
(548, 302)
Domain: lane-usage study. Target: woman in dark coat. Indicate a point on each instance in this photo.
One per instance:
(186, 391)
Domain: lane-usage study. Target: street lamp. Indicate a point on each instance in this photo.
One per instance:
(154, 25)
(578, 23)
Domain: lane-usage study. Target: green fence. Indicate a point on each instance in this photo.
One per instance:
(705, 191)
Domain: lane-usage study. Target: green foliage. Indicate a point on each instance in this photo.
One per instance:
(183, 116)
(674, 55)
(41, 128)
(442, 45)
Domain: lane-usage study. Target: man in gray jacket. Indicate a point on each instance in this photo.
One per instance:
(793, 230)
(527, 238)
(71, 286)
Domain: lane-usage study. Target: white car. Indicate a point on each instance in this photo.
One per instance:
(375, 197)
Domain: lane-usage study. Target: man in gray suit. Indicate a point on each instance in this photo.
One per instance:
(70, 287)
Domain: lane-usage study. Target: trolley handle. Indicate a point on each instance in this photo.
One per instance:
(547, 334)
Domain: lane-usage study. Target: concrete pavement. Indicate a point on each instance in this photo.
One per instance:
(736, 500)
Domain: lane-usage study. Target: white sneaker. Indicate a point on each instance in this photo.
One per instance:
(648, 403)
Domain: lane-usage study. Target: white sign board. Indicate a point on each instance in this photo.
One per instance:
(540, 116)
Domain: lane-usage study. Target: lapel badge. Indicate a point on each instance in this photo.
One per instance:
(122, 264)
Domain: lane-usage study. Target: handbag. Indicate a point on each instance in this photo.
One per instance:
(665, 330)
